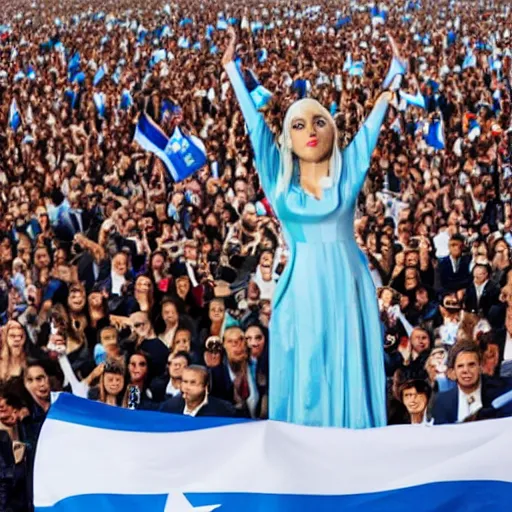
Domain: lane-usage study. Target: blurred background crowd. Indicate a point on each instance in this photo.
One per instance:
(114, 279)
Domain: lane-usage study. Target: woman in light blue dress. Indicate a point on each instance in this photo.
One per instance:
(326, 344)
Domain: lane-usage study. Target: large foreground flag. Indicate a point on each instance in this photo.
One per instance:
(93, 457)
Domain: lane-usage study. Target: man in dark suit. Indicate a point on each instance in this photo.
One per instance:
(472, 393)
(454, 269)
(194, 399)
(233, 380)
(482, 294)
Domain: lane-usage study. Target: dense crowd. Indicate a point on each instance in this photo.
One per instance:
(123, 286)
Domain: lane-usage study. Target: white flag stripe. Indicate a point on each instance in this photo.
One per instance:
(267, 457)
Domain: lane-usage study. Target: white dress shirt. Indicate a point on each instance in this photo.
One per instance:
(480, 291)
(117, 283)
(469, 404)
(193, 412)
(171, 390)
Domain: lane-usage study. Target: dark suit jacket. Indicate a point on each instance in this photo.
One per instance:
(446, 404)
(214, 407)
(86, 271)
(6, 470)
(452, 281)
(221, 386)
(158, 388)
(489, 298)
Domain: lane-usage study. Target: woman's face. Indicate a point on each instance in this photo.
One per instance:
(60, 257)
(182, 286)
(170, 314)
(182, 341)
(255, 341)
(41, 258)
(138, 368)
(95, 300)
(76, 300)
(157, 262)
(386, 297)
(114, 383)
(143, 285)
(15, 338)
(312, 134)
(217, 311)
(411, 278)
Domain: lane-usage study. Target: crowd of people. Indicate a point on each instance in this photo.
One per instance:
(123, 286)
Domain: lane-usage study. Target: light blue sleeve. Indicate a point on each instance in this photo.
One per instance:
(358, 154)
(266, 152)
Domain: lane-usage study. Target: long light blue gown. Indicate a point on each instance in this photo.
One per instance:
(326, 344)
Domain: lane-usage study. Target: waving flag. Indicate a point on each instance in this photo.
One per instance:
(417, 100)
(182, 154)
(100, 102)
(356, 68)
(469, 60)
(259, 94)
(14, 116)
(397, 67)
(435, 134)
(98, 77)
(146, 461)
(126, 101)
(74, 65)
(31, 73)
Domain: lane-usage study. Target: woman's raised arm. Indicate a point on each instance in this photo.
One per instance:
(359, 152)
(267, 157)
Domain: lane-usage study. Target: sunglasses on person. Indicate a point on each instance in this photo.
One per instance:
(138, 325)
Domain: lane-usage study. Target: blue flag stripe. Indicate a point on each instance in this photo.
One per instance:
(96, 414)
(470, 496)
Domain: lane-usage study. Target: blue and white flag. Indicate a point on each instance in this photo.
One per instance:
(14, 116)
(222, 24)
(100, 102)
(416, 100)
(31, 73)
(262, 55)
(356, 68)
(435, 134)
(147, 461)
(182, 154)
(183, 42)
(397, 67)
(126, 101)
(259, 94)
(469, 60)
(74, 65)
(98, 77)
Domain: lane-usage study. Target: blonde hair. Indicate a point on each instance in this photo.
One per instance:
(5, 353)
(286, 149)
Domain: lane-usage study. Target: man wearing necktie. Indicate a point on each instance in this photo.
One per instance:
(473, 391)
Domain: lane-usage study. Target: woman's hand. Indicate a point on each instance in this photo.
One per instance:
(229, 54)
